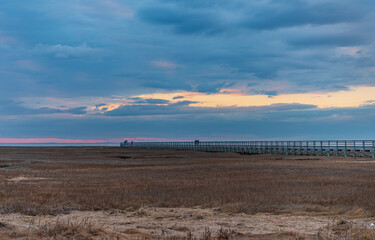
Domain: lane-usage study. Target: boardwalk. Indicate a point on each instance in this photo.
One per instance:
(347, 148)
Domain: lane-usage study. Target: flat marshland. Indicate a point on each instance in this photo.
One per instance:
(115, 193)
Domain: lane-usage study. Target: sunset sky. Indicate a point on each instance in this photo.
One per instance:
(98, 71)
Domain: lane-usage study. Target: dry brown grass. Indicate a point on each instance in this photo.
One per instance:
(345, 230)
(84, 230)
(58, 180)
(208, 234)
(67, 230)
(62, 230)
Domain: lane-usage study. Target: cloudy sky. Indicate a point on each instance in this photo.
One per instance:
(103, 70)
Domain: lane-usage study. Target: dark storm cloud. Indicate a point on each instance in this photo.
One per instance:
(99, 49)
(292, 13)
(183, 108)
(269, 93)
(192, 17)
(210, 87)
(151, 109)
(298, 125)
(112, 53)
(183, 22)
(11, 108)
(333, 40)
(178, 97)
(149, 100)
(63, 51)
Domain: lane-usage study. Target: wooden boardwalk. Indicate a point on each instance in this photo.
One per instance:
(347, 148)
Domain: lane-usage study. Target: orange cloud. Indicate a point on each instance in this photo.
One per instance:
(354, 97)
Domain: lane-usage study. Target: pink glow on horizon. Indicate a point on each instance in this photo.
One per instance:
(50, 140)
(62, 140)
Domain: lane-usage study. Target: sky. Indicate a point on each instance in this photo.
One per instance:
(99, 71)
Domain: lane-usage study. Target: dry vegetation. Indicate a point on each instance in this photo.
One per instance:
(84, 230)
(52, 181)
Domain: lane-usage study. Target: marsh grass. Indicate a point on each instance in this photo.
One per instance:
(345, 230)
(63, 230)
(104, 178)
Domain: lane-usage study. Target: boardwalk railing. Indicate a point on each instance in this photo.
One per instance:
(353, 148)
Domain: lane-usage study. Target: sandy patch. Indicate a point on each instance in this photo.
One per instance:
(21, 179)
(356, 161)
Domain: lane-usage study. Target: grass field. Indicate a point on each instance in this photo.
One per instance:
(54, 181)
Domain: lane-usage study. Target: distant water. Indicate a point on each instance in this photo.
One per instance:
(57, 144)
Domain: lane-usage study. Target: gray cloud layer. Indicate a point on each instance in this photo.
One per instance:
(70, 49)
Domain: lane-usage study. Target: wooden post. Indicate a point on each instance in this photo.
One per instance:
(363, 149)
(314, 143)
(346, 150)
(321, 148)
(307, 147)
